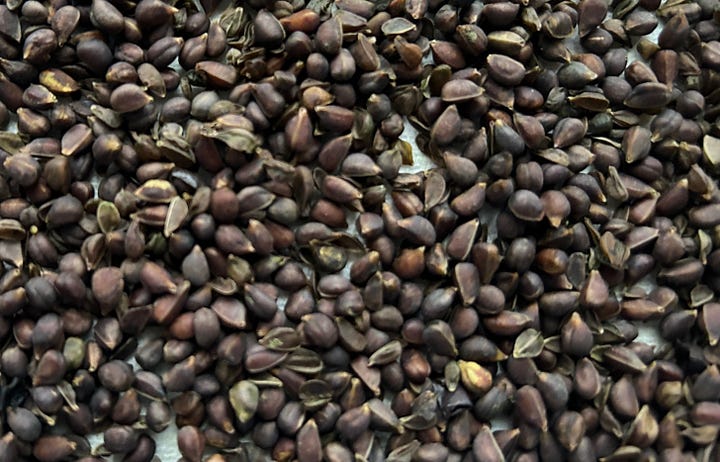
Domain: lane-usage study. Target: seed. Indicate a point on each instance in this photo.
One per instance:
(576, 337)
(24, 168)
(575, 75)
(95, 54)
(309, 446)
(570, 429)
(447, 53)
(38, 97)
(115, 375)
(530, 407)
(587, 380)
(526, 205)
(460, 90)
(39, 45)
(164, 51)
(105, 16)
(50, 448)
(474, 377)
(649, 95)
(591, 13)
(120, 439)
(217, 74)
(191, 443)
(558, 25)
(528, 344)
(24, 424)
(329, 36)
(485, 446)
(568, 131)
(505, 70)
(353, 422)
(624, 359)
(129, 97)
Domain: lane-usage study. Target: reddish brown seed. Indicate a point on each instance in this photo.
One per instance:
(52, 448)
(107, 286)
(305, 20)
(217, 74)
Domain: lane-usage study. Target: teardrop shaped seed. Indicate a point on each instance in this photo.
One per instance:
(505, 70)
(129, 97)
(648, 96)
(459, 90)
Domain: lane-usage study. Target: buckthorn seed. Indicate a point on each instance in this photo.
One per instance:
(235, 199)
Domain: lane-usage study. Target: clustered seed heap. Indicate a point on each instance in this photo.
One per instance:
(237, 186)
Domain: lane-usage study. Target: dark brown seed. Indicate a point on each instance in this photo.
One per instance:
(575, 75)
(568, 131)
(648, 96)
(531, 408)
(116, 375)
(576, 337)
(64, 22)
(591, 13)
(106, 17)
(24, 168)
(526, 205)
(128, 98)
(298, 131)
(24, 424)
(38, 97)
(329, 36)
(309, 446)
(587, 380)
(120, 439)
(418, 230)
(704, 216)
(570, 429)
(447, 126)
(636, 143)
(191, 443)
(675, 33)
(460, 90)
(447, 53)
(558, 25)
(39, 45)
(505, 70)
(164, 51)
(268, 30)
(152, 79)
(623, 359)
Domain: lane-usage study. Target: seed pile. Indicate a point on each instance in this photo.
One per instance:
(289, 291)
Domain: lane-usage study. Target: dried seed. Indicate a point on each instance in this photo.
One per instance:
(128, 98)
(505, 70)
